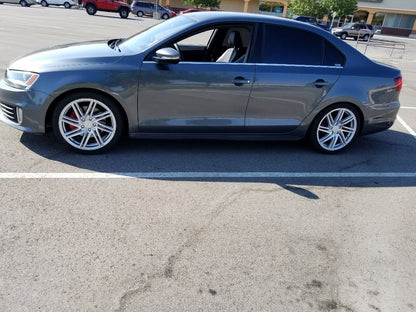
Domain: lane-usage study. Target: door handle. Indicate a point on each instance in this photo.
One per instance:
(239, 81)
(319, 83)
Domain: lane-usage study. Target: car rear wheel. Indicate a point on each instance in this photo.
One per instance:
(23, 3)
(165, 16)
(87, 123)
(44, 3)
(365, 38)
(343, 36)
(67, 5)
(334, 128)
(91, 10)
(139, 13)
(124, 13)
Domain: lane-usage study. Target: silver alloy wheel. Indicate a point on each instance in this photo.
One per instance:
(336, 129)
(87, 124)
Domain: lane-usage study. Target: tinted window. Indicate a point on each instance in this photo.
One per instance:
(286, 45)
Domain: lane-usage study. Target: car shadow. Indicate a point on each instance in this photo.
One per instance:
(387, 152)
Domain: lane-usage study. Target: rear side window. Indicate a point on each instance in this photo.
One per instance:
(287, 45)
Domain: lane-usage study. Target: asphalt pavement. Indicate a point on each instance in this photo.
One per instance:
(159, 225)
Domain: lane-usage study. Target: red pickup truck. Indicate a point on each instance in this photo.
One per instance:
(92, 6)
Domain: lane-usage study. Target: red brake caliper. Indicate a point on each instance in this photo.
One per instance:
(73, 116)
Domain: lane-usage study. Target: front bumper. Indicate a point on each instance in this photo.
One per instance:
(23, 109)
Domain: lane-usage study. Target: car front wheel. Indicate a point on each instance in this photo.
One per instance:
(91, 10)
(124, 13)
(44, 3)
(343, 36)
(139, 14)
(334, 128)
(88, 123)
(67, 5)
(23, 3)
(165, 16)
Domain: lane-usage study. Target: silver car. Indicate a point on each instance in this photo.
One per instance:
(23, 3)
(204, 75)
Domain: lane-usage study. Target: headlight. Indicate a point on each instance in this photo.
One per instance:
(21, 79)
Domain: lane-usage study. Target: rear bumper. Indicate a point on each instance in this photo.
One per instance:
(380, 117)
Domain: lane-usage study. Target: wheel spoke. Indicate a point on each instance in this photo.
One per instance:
(348, 130)
(326, 138)
(347, 120)
(98, 137)
(105, 128)
(78, 110)
(333, 142)
(73, 133)
(324, 129)
(102, 116)
(85, 139)
(340, 113)
(330, 120)
(91, 108)
(342, 137)
(70, 121)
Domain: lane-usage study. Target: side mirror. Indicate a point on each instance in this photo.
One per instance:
(167, 56)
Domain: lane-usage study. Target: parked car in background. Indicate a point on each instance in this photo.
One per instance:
(144, 8)
(193, 10)
(23, 3)
(353, 30)
(66, 3)
(207, 75)
(372, 29)
(92, 6)
(312, 21)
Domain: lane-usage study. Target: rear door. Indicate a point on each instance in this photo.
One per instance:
(295, 69)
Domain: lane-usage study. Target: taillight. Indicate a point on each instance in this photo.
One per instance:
(398, 82)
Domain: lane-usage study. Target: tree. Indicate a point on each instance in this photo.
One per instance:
(312, 8)
(204, 3)
(342, 7)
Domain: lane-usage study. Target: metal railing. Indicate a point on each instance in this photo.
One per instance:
(394, 46)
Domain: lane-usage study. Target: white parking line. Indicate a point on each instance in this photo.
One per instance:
(410, 130)
(200, 175)
(407, 107)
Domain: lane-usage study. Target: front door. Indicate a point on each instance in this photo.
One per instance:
(194, 96)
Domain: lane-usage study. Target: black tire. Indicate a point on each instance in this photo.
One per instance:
(332, 138)
(124, 13)
(44, 3)
(91, 9)
(343, 36)
(165, 16)
(23, 3)
(93, 127)
(365, 38)
(140, 13)
(67, 5)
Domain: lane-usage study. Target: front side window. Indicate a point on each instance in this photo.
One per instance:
(220, 43)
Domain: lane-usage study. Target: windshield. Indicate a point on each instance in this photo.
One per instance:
(349, 25)
(152, 36)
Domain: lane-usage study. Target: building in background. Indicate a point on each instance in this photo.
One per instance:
(392, 17)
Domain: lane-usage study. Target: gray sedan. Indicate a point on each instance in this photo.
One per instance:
(203, 75)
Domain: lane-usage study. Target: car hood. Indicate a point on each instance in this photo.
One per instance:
(77, 54)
